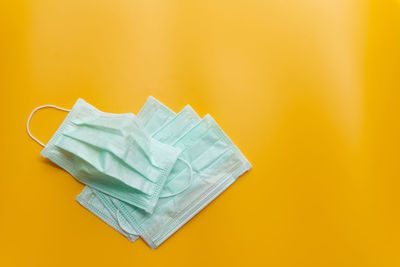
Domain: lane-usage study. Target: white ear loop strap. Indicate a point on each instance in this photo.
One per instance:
(121, 226)
(30, 117)
(187, 186)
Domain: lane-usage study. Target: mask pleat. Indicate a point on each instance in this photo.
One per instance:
(153, 115)
(214, 159)
(194, 134)
(154, 123)
(112, 153)
(173, 130)
(202, 145)
(117, 145)
(165, 215)
(104, 163)
(208, 157)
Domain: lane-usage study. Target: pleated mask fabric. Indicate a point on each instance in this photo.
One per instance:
(216, 164)
(113, 154)
(172, 131)
(153, 115)
(146, 175)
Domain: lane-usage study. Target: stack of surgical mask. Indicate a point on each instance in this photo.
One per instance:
(145, 175)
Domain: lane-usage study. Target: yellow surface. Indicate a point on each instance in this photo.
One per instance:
(308, 90)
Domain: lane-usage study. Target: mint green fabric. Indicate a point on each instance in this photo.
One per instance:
(216, 164)
(112, 153)
(172, 131)
(153, 115)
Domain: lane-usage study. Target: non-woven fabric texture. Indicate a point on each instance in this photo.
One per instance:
(153, 115)
(170, 132)
(215, 161)
(216, 164)
(112, 153)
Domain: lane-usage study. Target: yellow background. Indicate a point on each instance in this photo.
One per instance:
(308, 90)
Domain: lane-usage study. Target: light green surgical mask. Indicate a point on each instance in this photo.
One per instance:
(113, 154)
(153, 115)
(216, 163)
(169, 133)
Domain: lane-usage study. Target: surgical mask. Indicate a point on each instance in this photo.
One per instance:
(153, 115)
(113, 154)
(216, 163)
(172, 131)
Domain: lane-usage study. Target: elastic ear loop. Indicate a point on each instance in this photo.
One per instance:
(187, 186)
(30, 117)
(122, 227)
(174, 194)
